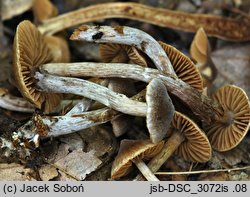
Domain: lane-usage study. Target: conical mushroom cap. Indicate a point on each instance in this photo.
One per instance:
(130, 149)
(160, 110)
(233, 121)
(44, 9)
(196, 146)
(200, 47)
(30, 51)
(183, 67)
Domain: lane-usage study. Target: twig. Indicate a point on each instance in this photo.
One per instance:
(203, 171)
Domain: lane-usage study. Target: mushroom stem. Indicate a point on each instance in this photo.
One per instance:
(147, 173)
(76, 119)
(13, 103)
(226, 28)
(168, 149)
(62, 125)
(129, 36)
(92, 91)
(201, 105)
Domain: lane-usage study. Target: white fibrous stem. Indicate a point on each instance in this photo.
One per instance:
(147, 173)
(13, 103)
(201, 105)
(62, 125)
(128, 36)
(119, 102)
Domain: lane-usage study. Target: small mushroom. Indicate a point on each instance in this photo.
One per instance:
(200, 51)
(116, 53)
(187, 139)
(133, 151)
(31, 51)
(195, 100)
(43, 9)
(183, 67)
(233, 121)
(128, 36)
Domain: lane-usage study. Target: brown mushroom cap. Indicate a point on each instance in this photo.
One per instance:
(59, 48)
(130, 149)
(122, 54)
(200, 48)
(183, 67)
(233, 121)
(196, 146)
(30, 51)
(160, 110)
(44, 9)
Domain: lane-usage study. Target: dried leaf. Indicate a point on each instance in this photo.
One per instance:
(47, 172)
(99, 139)
(78, 164)
(11, 8)
(15, 172)
(74, 141)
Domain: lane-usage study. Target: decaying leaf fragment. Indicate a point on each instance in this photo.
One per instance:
(78, 164)
(14, 172)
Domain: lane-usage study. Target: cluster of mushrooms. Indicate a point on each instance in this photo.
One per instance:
(180, 118)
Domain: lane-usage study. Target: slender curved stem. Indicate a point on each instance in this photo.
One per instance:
(147, 173)
(91, 90)
(168, 149)
(129, 36)
(221, 27)
(201, 105)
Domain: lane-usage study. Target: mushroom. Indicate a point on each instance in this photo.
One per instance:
(29, 49)
(37, 86)
(116, 53)
(200, 104)
(183, 67)
(233, 121)
(43, 9)
(76, 119)
(158, 106)
(133, 151)
(187, 139)
(200, 51)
